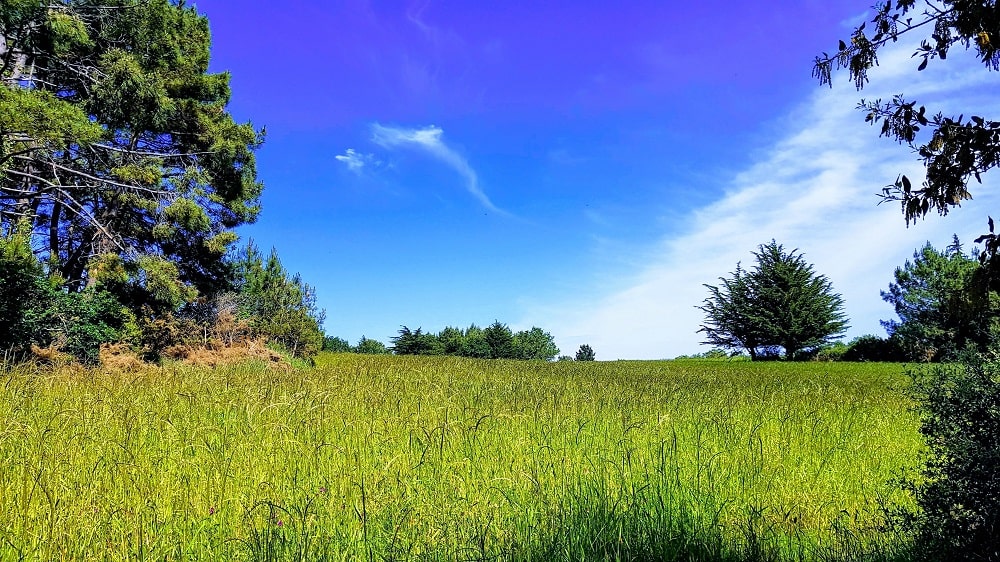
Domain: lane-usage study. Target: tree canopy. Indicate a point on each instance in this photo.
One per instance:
(943, 304)
(116, 146)
(954, 149)
(782, 303)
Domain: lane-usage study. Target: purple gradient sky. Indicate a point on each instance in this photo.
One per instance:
(596, 133)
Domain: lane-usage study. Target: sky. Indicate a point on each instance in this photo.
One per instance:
(578, 166)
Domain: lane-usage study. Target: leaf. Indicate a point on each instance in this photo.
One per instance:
(906, 184)
(843, 46)
(991, 223)
(923, 65)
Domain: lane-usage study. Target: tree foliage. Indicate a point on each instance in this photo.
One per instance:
(36, 311)
(369, 346)
(959, 492)
(334, 344)
(115, 141)
(954, 149)
(782, 303)
(278, 307)
(585, 353)
(496, 341)
(943, 303)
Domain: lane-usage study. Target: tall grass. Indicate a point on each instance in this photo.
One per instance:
(388, 458)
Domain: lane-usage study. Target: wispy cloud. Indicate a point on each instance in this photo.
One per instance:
(813, 189)
(354, 160)
(429, 141)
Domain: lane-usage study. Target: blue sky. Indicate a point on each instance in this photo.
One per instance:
(570, 165)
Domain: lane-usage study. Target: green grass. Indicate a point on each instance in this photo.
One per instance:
(387, 458)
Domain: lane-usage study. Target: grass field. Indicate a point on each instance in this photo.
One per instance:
(387, 458)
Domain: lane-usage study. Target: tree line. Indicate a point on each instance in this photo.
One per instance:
(496, 341)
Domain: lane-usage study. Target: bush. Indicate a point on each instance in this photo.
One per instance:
(959, 492)
(832, 352)
(874, 348)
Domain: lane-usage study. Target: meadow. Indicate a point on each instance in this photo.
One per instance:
(394, 458)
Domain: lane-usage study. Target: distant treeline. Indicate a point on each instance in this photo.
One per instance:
(496, 341)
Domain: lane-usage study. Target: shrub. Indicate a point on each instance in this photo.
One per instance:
(959, 492)
(874, 348)
(832, 352)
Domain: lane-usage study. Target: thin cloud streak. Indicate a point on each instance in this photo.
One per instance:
(815, 190)
(429, 140)
(354, 161)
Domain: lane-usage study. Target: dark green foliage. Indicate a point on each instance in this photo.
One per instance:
(959, 493)
(78, 323)
(496, 341)
(115, 141)
(781, 303)
(731, 320)
(336, 345)
(585, 353)
(944, 305)
(954, 150)
(452, 340)
(874, 348)
(500, 341)
(475, 344)
(36, 311)
(370, 347)
(22, 288)
(277, 306)
(797, 309)
(535, 345)
(416, 342)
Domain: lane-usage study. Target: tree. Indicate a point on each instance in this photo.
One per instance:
(115, 142)
(780, 303)
(500, 341)
(797, 308)
(416, 342)
(278, 306)
(535, 345)
(452, 340)
(730, 315)
(585, 353)
(954, 150)
(34, 310)
(334, 344)
(474, 343)
(942, 306)
(370, 347)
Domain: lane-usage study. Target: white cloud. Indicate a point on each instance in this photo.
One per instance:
(429, 140)
(355, 162)
(814, 189)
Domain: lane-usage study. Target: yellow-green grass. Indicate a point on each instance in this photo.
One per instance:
(380, 457)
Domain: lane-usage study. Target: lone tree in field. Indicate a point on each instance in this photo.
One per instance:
(585, 353)
(782, 303)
